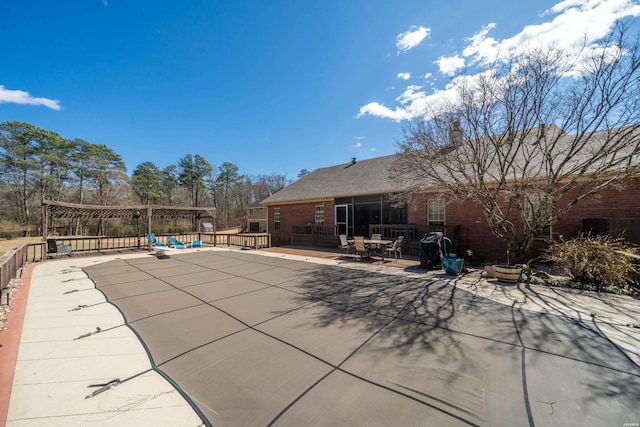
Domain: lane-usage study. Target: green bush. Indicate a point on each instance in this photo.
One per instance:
(596, 260)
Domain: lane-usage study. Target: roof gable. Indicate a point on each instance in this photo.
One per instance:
(357, 178)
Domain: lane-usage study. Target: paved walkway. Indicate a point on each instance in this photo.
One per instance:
(273, 338)
(60, 364)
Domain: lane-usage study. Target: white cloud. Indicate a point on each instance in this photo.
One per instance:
(8, 96)
(412, 38)
(578, 22)
(569, 25)
(404, 76)
(381, 110)
(449, 65)
(414, 101)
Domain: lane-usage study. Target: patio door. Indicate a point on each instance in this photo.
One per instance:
(342, 219)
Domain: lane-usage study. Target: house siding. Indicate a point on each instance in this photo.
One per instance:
(259, 216)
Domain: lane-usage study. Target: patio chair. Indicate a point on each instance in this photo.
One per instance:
(376, 237)
(359, 246)
(395, 248)
(154, 242)
(172, 241)
(345, 245)
(196, 244)
(400, 242)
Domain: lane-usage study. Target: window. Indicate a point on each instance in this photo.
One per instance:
(435, 212)
(319, 218)
(319, 214)
(276, 219)
(537, 207)
(250, 212)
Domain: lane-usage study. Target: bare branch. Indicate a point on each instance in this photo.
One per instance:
(526, 135)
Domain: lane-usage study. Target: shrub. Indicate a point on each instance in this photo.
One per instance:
(596, 260)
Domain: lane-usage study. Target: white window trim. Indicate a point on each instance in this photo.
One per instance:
(276, 219)
(439, 200)
(318, 209)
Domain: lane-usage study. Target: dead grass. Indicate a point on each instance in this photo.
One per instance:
(8, 244)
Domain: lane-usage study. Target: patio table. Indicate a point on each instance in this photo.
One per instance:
(378, 245)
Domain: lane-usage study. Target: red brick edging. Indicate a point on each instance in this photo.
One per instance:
(10, 340)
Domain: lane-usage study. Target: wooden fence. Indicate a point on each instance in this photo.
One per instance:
(393, 231)
(12, 260)
(248, 240)
(100, 244)
(315, 235)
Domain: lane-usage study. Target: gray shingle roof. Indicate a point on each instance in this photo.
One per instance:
(361, 178)
(374, 176)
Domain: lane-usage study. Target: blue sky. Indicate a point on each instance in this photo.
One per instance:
(272, 86)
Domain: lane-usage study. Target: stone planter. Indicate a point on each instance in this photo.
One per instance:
(452, 265)
(507, 273)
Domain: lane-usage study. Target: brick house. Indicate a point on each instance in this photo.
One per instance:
(356, 198)
(341, 199)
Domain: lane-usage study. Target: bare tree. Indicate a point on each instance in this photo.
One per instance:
(266, 185)
(531, 137)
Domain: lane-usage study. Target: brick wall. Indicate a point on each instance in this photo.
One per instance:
(612, 204)
(297, 214)
(623, 203)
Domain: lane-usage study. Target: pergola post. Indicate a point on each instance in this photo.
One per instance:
(149, 212)
(45, 221)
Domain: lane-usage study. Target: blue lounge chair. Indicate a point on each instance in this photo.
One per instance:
(154, 242)
(172, 241)
(196, 244)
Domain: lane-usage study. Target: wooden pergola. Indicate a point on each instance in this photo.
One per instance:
(52, 210)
